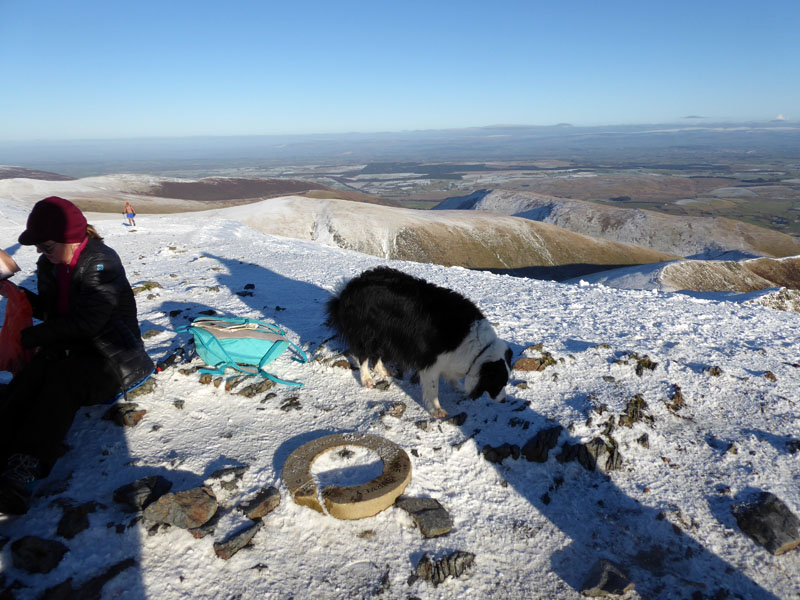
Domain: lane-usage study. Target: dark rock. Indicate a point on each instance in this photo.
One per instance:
(75, 519)
(179, 404)
(292, 403)
(187, 509)
(606, 579)
(452, 565)
(205, 378)
(676, 401)
(264, 502)
(92, 589)
(769, 375)
(232, 382)
(256, 388)
(596, 454)
(396, 410)
(770, 523)
(457, 420)
(237, 540)
(527, 363)
(125, 414)
(37, 555)
(499, 453)
(538, 447)
(142, 492)
(431, 517)
(635, 412)
(151, 333)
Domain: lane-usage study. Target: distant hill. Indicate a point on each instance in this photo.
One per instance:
(8, 172)
(706, 275)
(152, 194)
(686, 236)
(461, 238)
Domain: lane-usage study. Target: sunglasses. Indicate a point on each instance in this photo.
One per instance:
(46, 249)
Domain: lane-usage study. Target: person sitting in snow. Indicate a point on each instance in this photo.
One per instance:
(88, 348)
(129, 214)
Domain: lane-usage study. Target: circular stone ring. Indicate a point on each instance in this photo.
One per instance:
(355, 501)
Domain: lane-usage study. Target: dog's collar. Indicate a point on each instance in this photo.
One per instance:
(478, 355)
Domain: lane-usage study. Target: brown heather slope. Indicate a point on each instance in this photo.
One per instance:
(470, 239)
(732, 276)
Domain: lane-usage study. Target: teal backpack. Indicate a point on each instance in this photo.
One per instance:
(246, 345)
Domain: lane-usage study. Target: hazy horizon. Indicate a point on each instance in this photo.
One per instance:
(98, 70)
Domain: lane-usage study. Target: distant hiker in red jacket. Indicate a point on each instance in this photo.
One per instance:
(88, 346)
(129, 213)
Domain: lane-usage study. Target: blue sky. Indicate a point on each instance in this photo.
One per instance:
(113, 68)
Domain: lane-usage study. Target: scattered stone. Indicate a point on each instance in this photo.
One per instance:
(538, 447)
(770, 523)
(217, 381)
(188, 370)
(527, 363)
(232, 382)
(176, 312)
(596, 454)
(145, 388)
(179, 404)
(37, 555)
(146, 287)
(606, 579)
(497, 454)
(367, 534)
(770, 376)
(452, 565)
(187, 509)
(250, 286)
(714, 371)
(244, 294)
(269, 396)
(150, 333)
(609, 378)
(383, 385)
(676, 401)
(457, 420)
(237, 540)
(396, 410)
(125, 414)
(75, 518)
(342, 363)
(522, 385)
(422, 424)
(292, 403)
(142, 492)
(205, 378)
(643, 440)
(793, 446)
(209, 312)
(256, 388)
(431, 517)
(635, 412)
(229, 476)
(90, 590)
(264, 502)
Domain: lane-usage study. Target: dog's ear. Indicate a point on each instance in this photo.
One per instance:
(509, 356)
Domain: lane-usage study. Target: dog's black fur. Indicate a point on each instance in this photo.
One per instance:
(387, 315)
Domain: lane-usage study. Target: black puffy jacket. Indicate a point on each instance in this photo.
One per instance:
(102, 316)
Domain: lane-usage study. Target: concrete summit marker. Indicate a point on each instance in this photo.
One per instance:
(355, 501)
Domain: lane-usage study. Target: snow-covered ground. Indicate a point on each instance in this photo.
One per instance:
(536, 529)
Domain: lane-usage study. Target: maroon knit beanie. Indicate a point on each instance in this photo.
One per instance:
(54, 219)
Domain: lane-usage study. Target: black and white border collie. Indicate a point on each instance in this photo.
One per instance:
(387, 316)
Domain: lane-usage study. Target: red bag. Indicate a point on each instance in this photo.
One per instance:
(19, 315)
